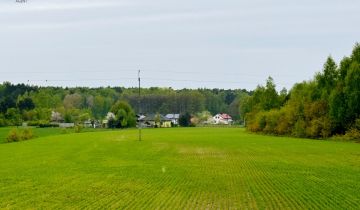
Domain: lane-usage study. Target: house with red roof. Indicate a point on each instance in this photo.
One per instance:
(222, 118)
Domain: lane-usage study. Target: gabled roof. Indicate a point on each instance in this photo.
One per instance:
(173, 116)
(226, 116)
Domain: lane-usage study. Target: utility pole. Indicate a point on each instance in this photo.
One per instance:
(139, 107)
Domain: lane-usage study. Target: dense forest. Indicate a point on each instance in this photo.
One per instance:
(22, 103)
(327, 105)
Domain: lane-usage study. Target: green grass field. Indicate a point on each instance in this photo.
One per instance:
(42, 132)
(182, 168)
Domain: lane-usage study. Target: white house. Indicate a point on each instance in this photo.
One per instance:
(109, 116)
(222, 118)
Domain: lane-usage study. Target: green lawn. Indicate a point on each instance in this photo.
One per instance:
(182, 168)
(42, 132)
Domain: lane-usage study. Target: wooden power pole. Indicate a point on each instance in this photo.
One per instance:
(139, 106)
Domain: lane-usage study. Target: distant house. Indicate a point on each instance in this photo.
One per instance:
(88, 124)
(156, 121)
(109, 116)
(56, 117)
(222, 118)
(140, 117)
(92, 124)
(58, 120)
(174, 118)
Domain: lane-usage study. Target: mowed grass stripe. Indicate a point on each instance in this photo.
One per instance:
(194, 168)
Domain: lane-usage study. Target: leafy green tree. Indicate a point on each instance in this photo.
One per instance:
(327, 78)
(270, 98)
(73, 101)
(203, 116)
(25, 104)
(185, 120)
(13, 116)
(352, 92)
(124, 115)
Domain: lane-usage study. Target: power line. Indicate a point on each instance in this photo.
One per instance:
(148, 79)
(78, 80)
(151, 79)
(218, 73)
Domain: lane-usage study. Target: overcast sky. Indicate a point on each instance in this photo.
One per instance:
(187, 43)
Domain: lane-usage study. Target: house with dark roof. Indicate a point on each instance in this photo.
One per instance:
(155, 121)
(174, 118)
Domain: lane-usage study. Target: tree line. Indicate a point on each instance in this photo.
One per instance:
(325, 106)
(33, 104)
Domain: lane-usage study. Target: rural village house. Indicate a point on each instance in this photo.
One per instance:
(58, 120)
(156, 121)
(174, 118)
(92, 124)
(109, 116)
(222, 118)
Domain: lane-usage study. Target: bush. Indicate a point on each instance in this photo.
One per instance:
(272, 119)
(37, 122)
(284, 123)
(313, 130)
(185, 120)
(299, 128)
(13, 136)
(16, 135)
(357, 124)
(48, 125)
(258, 122)
(352, 134)
(78, 128)
(326, 128)
(27, 134)
(3, 122)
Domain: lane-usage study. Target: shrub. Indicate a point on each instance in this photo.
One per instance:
(3, 122)
(250, 122)
(185, 120)
(38, 123)
(78, 128)
(357, 124)
(13, 136)
(257, 122)
(27, 134)
(284, 123)
(16, 135)
(326, 128)
(319, 127)
(352, 134)
(299, 128)
(272, 120)
(47, 125)
(314, 128)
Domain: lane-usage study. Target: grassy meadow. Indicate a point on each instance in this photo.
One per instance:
(42, 132)
(180, 168)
